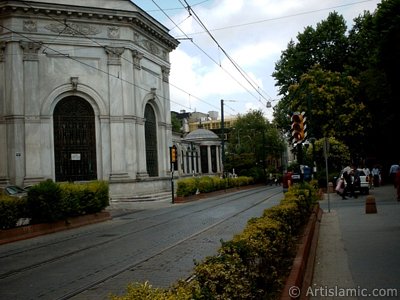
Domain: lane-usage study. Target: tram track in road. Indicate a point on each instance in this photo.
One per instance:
(115, 226)
(136, 223)
(159, 253)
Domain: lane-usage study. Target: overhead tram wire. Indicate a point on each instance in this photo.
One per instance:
(234, 63)
(86, 64)
(205, 53)
(104, 47)
(278, 18)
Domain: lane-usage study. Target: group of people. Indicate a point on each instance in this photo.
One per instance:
(345, 184)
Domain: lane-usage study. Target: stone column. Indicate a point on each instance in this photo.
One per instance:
(4, 179)
(209, 159)
(33, 130)
(166, 128)
(117, 137)
(14, 113)
(141, 169)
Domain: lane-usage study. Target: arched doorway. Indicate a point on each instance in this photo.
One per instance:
(150, 131)
(74, 140)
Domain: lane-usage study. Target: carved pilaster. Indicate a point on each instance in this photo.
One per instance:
(165, 73)
(31, 49)
(137, 57)
(2, 50)
(114, 55)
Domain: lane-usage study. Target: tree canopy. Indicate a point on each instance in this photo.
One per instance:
(345, 82)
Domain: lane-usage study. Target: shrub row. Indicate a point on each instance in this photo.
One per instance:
(49, 201)
(205, 184)
(253, 265)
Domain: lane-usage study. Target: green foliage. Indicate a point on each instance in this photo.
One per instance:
(253, 141)
(45, 202)
(205, 184)
(345, 84)
(145, 291)
(176, 123)
(186, 187)
(254, 264)
(49, 201)
(11, 210)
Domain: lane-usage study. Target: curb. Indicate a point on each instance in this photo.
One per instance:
(300, 276)
(181, 199)
(30, 231)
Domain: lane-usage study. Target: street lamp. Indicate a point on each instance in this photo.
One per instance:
(223, 135)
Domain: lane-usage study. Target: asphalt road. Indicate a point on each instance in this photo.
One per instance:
(158, 243)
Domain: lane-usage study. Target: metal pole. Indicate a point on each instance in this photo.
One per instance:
(326, 150)
(222, 138)
(172, 183)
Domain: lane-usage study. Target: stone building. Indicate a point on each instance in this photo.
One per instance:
(198, 153)
(84, 94)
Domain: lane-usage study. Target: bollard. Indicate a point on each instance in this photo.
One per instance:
(330, 187)
(370, 205)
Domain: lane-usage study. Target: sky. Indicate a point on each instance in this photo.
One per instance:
(235, 59)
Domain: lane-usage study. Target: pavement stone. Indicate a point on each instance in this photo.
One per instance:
(358, 253)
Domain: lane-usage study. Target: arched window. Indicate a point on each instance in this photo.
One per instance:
(150, 131)
(74, 140)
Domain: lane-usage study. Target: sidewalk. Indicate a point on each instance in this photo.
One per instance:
(358, 254)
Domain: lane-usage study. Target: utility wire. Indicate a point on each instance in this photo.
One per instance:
(234, 63)
(64, 22)
(86, 64)
(277, 18)
(205, 53)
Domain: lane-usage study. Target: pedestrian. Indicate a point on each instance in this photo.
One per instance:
(376, 174)
(392, 172)
(340, 188)
(397, 183)
(287, 181)
(348, 175)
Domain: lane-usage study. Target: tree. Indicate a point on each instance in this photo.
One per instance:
(325, 46)
(251, 142)
(328, 98)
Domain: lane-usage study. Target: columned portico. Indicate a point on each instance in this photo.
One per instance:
(199, 154)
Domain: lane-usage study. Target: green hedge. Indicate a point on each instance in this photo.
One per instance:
(253, 265)
(206, 184)
(48, 201)
(11, 210)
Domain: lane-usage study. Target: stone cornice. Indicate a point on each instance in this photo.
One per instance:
(61, 12)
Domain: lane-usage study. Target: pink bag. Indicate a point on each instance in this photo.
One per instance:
(340, 186)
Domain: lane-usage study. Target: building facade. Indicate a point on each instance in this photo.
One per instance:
(84, 95)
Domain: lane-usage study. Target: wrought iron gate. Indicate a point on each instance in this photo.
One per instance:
(74, 140)
(151, 141)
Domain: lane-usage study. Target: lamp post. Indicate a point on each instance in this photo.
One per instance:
(223, 135)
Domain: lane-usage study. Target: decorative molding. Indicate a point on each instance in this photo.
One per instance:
(30, 26)
(137, 57)
(165, 73)
(73, 29)
(151, 47)
(31, 49)
(153, 93)
(74, 82)
(114, 55)
(113, 32)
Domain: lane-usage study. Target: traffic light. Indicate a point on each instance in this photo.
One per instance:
(173, 154)
(298, 127)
